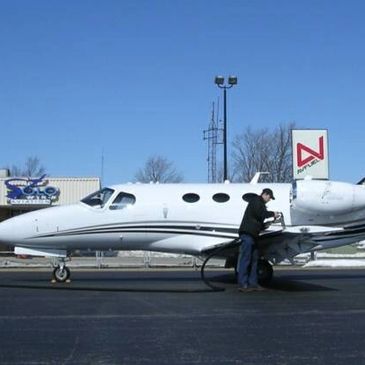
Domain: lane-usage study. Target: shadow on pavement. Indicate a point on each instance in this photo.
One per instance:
(287, 283)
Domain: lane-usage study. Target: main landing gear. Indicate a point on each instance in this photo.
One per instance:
(264, 272)
(264, 268)
(61, 272)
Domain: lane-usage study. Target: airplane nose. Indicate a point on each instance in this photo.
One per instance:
(12, 230)
(359, 197)
(6, 232)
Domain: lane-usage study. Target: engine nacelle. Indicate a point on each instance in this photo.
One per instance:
(323, 202)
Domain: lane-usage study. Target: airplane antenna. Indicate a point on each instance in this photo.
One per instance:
(102, 167)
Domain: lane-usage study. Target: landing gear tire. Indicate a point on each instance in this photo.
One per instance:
(61, 274)
(265, 272)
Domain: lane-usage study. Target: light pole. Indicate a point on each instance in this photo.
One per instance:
(219, 81)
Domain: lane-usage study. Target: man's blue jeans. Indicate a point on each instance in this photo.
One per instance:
(247, 262)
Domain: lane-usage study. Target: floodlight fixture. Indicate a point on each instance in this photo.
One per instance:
(219, 80)
(232, 80)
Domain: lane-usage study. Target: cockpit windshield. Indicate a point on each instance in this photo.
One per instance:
(100, 198)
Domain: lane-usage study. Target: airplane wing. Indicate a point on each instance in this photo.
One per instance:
(299, 239)
(278, 243)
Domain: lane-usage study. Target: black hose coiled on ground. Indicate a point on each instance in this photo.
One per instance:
(215, 252)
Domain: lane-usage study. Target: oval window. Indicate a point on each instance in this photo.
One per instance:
(221, 197)
(191, 197)
(248, 196)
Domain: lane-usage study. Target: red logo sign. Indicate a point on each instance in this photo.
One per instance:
(313, 154)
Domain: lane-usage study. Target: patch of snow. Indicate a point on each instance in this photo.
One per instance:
(336, 263)
(337, 255)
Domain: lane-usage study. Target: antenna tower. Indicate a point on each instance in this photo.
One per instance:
(211, 135)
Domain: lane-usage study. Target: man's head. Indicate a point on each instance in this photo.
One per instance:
(267, 195)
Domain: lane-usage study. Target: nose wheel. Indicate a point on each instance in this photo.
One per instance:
(61, 273)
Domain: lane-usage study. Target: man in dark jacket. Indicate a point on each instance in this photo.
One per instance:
(252, 224)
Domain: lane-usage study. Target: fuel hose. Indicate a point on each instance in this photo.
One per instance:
(216, 252)
(231, 244)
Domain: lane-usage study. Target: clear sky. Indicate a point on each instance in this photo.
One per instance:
(135, 79)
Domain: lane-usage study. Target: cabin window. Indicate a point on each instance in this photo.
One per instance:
(191, 197)
(99, 198)
(122, 201)
(221, 197)
(248, 196)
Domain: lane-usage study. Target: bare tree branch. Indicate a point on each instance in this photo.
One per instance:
(158, 169)
(32, 168)
(265, 151)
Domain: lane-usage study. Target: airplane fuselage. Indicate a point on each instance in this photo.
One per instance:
(181, 218)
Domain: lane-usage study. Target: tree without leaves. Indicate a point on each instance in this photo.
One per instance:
(158, 169)
(32, 168)
(282, 159)
(263, 151)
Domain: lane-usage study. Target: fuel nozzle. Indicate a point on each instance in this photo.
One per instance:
(280, 219)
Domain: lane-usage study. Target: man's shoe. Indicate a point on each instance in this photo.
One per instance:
(257, 288)
(244, 289)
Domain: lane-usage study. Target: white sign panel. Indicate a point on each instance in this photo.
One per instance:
(30, 201)
(310, 153)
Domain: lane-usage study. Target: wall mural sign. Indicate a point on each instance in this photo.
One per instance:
(31, 191)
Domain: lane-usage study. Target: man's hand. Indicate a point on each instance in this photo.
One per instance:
(277, 215)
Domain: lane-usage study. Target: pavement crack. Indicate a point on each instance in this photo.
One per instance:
(72, 352)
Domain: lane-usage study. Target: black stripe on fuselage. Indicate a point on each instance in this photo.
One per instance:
(158, 228)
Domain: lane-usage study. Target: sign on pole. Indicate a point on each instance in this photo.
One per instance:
(310, 153)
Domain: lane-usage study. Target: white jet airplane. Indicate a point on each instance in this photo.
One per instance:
(192, 219)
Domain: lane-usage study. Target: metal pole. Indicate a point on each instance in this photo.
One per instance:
(225, 132)
(219, 81)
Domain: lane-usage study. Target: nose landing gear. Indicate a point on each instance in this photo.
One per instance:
(61, 272)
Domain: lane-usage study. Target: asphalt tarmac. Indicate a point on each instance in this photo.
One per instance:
(171, 317)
